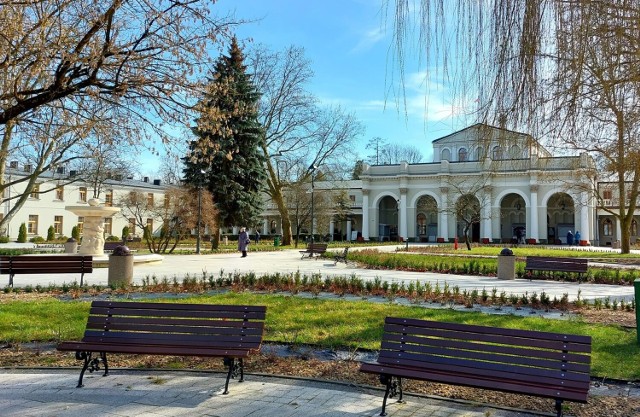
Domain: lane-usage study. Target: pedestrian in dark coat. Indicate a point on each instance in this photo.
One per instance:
(243, 242)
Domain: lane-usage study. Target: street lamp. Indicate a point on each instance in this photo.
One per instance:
(202, 172)
(312, 169)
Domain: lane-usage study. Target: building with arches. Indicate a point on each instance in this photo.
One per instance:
(487, 183)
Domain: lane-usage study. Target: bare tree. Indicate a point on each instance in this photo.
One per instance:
(564, 69)
(68, 68)
(177, 214)
(394, 153)
(300, 132)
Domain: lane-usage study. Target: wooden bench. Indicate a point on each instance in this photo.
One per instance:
(526, 362)
(45, 264)
(554, 264)
(226, 331)
(314, 249)
(342, 257)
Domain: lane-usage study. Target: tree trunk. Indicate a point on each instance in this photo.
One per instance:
(625, 229)
(284, 216)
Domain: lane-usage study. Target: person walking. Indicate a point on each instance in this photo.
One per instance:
(257, 236)
(243, 242)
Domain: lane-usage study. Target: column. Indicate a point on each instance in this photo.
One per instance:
(533, 230)
(265, 227)
(332, 227)
(486, 214)
(349, 230)
(443, 222)
(403, 214)
(365, 214)
(585, 230)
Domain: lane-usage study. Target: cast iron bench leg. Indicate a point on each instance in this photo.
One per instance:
(235, 369)
(91, 364)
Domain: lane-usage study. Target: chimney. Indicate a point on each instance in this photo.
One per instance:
(146, 179)
(60, 170)
(156, 182)
(13, 164)
(73, 173)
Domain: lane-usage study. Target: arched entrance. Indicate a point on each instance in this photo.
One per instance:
(513, 219)
(427, 219)
(388, 219)
(560, 218)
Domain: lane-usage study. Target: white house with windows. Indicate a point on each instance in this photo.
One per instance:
(46, 204)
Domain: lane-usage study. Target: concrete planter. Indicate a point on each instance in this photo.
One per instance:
(71, 246)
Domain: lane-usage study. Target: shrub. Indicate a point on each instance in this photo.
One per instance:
(4, 239)
(22, 233)
(75, 233)
(125, 233)
(51, 234)
(37, 239)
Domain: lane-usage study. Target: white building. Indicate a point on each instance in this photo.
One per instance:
(45, 206)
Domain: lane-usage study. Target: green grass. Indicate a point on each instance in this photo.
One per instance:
(523, 251)
(328, 323)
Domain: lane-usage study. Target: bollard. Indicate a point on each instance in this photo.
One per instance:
(120, 267)
(636, 288)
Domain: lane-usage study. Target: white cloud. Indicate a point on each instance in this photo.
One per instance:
(369, 39)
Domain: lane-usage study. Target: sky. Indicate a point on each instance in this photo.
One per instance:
(349, 44)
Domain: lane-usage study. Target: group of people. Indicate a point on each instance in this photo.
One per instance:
(573, 239)
(244, 240)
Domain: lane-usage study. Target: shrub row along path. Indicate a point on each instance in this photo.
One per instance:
(288, 261)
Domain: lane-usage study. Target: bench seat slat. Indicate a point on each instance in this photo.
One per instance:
(174, 350)
(473, 380)
(481, 361)
(176, 306)
(160, 338)
(218, 330)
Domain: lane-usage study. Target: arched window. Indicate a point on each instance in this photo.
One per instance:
(462, 154)
(607, 228)
(446, 155)
(422, 224)
(497, 153)
(515, 152)
(479, 153)
(634, 228)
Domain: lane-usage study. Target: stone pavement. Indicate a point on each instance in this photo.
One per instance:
(288, 261)
(52, 393)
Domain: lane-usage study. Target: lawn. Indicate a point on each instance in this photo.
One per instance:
(328, 324)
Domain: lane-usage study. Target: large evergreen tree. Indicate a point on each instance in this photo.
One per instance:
(227, 148)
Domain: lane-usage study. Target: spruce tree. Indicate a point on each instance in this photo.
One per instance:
(227, 145)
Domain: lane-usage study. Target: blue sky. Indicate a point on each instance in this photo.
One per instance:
(348, 43)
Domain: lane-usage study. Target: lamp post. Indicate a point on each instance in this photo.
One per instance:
(312, 169)
(202, 172)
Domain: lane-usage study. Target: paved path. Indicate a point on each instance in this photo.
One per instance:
(51, 393)
(288, 261)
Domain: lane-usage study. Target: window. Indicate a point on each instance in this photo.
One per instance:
(634, 228)
(149, 199)
(515, 152)
(607, 194)
(422, 224)
(32, 227)
(60, 192)
(462, 154)
(80, 225)
(83, 194)
(35, 193)
(108, 226)
(607, 228)
(150, 225)
(479, 153)
(497, 153)
(446, 154)
(57, 225)
(108, 199)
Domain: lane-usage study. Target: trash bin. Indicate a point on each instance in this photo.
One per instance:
(71, 246)
(276, 241)
(120, 267)
(506, 264)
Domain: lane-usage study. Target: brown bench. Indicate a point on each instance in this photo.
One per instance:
(542, 364)
(226, 331)
(555, 264)
(45, 264)
(314, 249)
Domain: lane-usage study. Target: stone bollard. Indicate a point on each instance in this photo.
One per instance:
(120, 267)
(71, 246)
(506, 264)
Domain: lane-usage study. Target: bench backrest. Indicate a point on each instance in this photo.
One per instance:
(557, 264)
(186, 325)
(45, 264)
(317, 246)
(451, 348)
